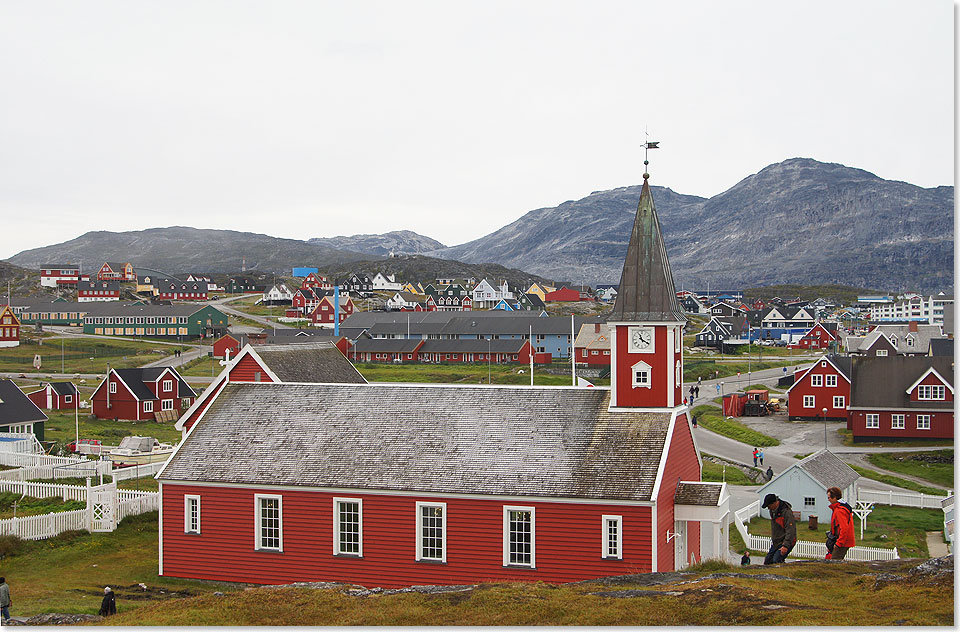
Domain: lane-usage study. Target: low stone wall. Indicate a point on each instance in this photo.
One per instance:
(755, 475)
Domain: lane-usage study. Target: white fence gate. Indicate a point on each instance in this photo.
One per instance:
(818, 550)
(902, 499)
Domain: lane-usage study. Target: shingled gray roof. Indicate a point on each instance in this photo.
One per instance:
(826, 468)
(883, 382)
(318, 361)
(516, 441)
(697, 493)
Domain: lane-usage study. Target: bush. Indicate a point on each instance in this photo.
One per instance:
(11, 545)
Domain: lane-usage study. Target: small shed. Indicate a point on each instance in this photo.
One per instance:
(804, 484)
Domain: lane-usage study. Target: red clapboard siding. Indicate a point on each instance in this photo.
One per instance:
(681, 465)
(823, 395)
(932, 380)
(657, 394)
(246, 369)
(568, 540)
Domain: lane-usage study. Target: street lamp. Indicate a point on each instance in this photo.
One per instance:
(488, 360)
(824, 411)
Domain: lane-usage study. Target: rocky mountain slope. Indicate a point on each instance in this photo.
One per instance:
(397, 242)
(798, 221)
(179, 249)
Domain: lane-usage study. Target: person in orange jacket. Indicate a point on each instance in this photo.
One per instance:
(841, 525)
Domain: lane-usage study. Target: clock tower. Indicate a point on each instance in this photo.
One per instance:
(646, 326)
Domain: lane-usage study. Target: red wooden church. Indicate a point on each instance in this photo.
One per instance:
(394, 485)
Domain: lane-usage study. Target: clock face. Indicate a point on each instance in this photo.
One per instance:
(641, 339)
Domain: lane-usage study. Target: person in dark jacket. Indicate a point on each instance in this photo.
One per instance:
(841, 525)
(109, 604)
(783, 529)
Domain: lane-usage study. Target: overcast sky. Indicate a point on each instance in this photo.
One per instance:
(451, 119)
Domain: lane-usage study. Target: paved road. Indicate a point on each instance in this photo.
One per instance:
(221, 304)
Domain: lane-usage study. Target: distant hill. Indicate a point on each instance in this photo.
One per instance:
(398, 242)
(799, 221)
(427, 269)
(20, 281)
(180, 249)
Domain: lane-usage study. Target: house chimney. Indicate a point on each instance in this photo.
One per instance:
(596, 328)
(912, 326)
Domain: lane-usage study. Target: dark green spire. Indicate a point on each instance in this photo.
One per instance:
(646, 292)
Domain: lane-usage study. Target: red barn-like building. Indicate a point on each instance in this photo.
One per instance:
(819, 337)
(56, 396)
(139, 394)
(323, 313)
(562, 295)
(392, 485)
(225, 343)
(826, 384)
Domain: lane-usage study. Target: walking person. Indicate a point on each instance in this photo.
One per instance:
(769, 473)
(760, 456)
(5, 601)
(841, 536)
(699, 380)
(109, 604)
(755, 455)
(783, 529)
(696, 390)
(694, 420)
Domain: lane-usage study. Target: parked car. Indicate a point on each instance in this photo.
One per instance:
(86, 446)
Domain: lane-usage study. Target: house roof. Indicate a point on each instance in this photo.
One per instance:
(501, 345)
(698, 493)
(317, 361)
(64, 388)
(941, 347)
(883, 382)
(921, 338)
(16, 407)
(515, 441)
(135, 379)
(826, 468)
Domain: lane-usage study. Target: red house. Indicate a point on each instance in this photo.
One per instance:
(57, 275)
(562, 295)
(113, 271)
(56, 396)
(819, 337)
(323, 312)
(89, 291)
(826, 384)
(9, 327)
(317, 281)
(225, 343)
(139, 394)
(902, 398)
(592, 345)
(400, 484)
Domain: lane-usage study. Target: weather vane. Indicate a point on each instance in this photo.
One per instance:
(647, 146)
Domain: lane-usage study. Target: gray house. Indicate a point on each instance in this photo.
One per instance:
(804, 485)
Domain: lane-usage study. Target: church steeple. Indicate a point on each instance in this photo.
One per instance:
(646, 292)
(647, 322)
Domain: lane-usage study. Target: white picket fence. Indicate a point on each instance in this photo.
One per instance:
(45, 490)
(46, 525)
(16, 459)
(818, 550)
(137, 471)
(136, 505)
(902, 499)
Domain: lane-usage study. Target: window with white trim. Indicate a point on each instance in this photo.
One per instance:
(431, 532)
(831, 380)
(269, 521)
(897, 422)
(166, 404)
(191, 514)
(167, 386)
(881, 353)
(809, 401)
(816, 380)
(519, 537)
(930, 391)
(873, 420)
(68, 399)
(839, 401)
(148, 407)
(923, 422)
(641, 375)
(612, 537)
(809, 501)
(348, 526)
(113, 387)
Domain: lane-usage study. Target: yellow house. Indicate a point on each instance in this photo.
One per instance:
(9, 327)
(541, 290)
(411, 288)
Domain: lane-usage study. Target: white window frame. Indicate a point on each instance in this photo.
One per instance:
(113, 387)
(898, 421)
(931, 392)
(258, 522)
(148, 406)
(420, 557)
(881, 353)
(506, 536)
(68, 399)
(605, 537)
(809, 501)
(925, 420)
(830, 380)
(166, 404)
(816, 379)
(337, 501)
(809, 401)
(873, 420)
(187, 518)
(167, 386)
(649, 375)
(839, 401)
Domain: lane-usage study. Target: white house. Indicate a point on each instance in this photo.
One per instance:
(486, 296)
(386, 283)
(804, 484)
(279, 293)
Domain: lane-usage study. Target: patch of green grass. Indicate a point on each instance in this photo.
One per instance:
(897, 481)
(464, 374)
(715, 472)
(81, 355)
(848, 441)
(887, 527)
(62, 427)
(709, 369)
(16, 504)
(712, 419)
(935, 466)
